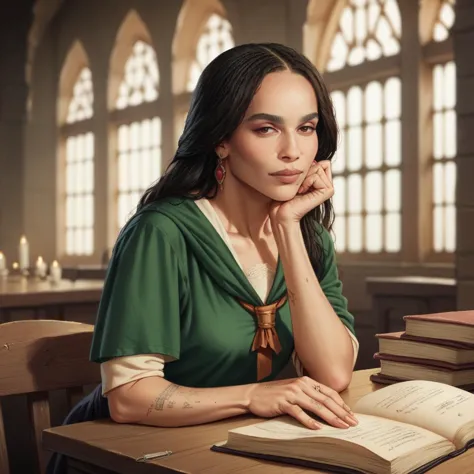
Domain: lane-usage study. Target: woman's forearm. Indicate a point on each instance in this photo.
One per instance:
(158, 402)
(322, 342)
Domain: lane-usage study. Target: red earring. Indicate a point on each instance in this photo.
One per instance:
(219, 173)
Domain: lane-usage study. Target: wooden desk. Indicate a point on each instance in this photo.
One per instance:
(85, 272)
(34, 299)
(103, 447)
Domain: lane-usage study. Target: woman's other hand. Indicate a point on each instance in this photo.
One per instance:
(295, 396)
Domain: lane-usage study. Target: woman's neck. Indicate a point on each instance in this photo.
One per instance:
(243, 210)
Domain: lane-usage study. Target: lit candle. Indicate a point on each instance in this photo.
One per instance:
(3, 262)
(24, 254)
(55, 271)
(15, 266)
(41, 267)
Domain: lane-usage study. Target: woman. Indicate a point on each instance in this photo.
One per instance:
(227, 271)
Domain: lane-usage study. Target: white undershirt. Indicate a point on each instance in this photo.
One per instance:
(121, 370)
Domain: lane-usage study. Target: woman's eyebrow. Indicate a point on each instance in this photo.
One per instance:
(278, 119)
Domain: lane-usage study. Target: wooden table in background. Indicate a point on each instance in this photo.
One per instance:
(22, 298)
(104, 447)
(395, 297)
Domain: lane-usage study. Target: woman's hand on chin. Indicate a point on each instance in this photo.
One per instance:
(316, 188)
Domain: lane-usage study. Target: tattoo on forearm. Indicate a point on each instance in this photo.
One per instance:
(170, 398)
(164, 398)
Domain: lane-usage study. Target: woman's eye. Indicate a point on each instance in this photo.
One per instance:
(308, 129)
(264, 130)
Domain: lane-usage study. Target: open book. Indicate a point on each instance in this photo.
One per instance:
(408, 427)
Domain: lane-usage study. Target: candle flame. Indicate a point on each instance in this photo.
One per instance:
(23, 240)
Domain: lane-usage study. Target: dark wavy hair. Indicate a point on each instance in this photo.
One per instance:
(218, 105)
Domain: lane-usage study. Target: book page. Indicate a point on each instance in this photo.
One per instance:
(437, 407)
(388, 439)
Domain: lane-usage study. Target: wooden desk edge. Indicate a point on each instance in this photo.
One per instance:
(112, 461)
(82, 291)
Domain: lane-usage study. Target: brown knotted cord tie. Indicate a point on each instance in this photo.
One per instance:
(266, 338)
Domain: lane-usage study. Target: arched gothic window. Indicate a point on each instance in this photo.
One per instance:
(368, 30)
(200, 39)
(138, 129)
(77, 159)
(444, 132)
(215, 39)
(444, 21)
(367, 166)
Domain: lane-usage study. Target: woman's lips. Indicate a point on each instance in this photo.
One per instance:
(287, 179)
(287, 176)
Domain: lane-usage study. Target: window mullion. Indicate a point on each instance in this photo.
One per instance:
(411, 133)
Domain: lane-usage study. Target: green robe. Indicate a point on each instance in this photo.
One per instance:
(172, 288)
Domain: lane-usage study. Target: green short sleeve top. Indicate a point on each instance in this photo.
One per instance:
(172, 288)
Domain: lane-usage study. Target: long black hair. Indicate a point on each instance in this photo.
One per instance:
(218, 105)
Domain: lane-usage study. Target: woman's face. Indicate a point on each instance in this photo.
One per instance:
(272, 149)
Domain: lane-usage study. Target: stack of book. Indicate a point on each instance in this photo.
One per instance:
(437, 347)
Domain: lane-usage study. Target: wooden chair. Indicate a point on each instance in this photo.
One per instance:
(37, 357)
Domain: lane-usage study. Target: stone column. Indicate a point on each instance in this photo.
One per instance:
(463, 40)
(14, 27)
(280, 21)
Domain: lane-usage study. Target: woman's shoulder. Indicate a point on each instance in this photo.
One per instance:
(152, 217)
